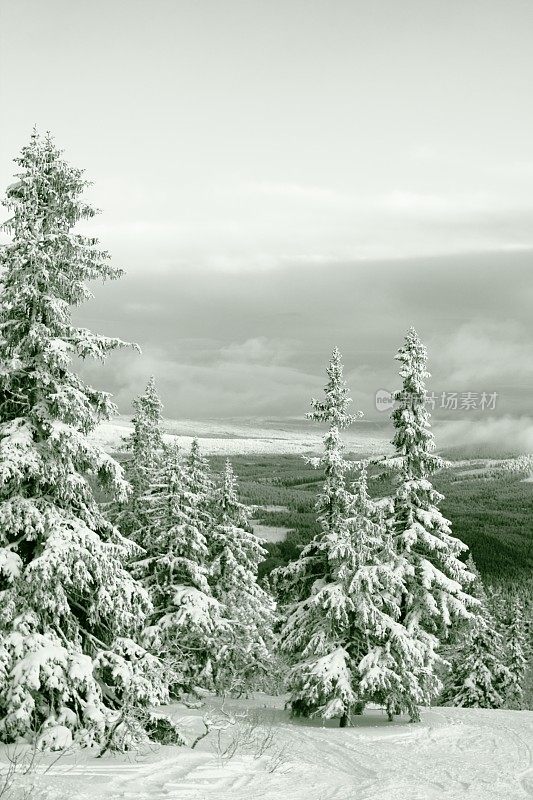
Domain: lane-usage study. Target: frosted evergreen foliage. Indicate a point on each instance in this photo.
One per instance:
(434, 577)
(202, 485)
(478, 676)
(246, 650)
(508, 611)
(145, 445)
(186, 619)
(66, 601)
(385, 655)
(316, 635)
(146, 440)
(516, 647)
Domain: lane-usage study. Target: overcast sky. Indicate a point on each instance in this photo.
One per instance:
(279, 177)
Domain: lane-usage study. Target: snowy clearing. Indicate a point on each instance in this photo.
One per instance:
(270, 533)
(453, 753)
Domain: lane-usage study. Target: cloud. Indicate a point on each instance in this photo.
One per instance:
(266, 225)
(295, 191)
(138, 307)
(494, 435)
(259, 350)
(259, 342)
(422, 206)
(486, 351)
(239, 387)
(423, 152)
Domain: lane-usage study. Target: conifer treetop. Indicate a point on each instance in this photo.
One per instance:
(44, 272)
(233, 512)
(413, 439)
(46, 203)
(150, 400)
(413, 356)
(198, 468)
(334, 407)
(145, 444)
(334, 500)
(146, 437)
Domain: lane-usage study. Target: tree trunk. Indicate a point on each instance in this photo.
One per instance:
(343, 721)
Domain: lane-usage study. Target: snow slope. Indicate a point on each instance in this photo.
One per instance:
(453, 753)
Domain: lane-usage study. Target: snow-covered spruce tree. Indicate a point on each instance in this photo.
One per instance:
(432, 573)
(387, 658)
(67, 604)
(145, 445)
(478, 676)
(515, 643)
(247, 645)
(315, 635)
(508, 612)
(186, 622)
(201, 484)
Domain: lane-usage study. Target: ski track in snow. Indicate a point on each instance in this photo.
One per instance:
(454, 753)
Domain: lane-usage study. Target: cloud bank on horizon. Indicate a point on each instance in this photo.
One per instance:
(256, 345)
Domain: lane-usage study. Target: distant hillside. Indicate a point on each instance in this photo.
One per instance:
(247, 437)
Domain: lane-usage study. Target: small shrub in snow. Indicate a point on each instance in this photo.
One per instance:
(55, 737)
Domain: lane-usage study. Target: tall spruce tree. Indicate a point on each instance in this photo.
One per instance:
(67, 604)
(187, 620)
(247, 645)
(312, 590)
(433, 576)
(478, 676)
(145, 444)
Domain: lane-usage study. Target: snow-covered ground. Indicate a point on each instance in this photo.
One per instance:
(242, 438)
(453, 753)
(270, 533)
